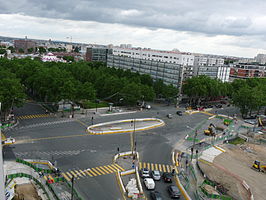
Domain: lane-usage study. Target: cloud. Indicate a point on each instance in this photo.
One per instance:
(224, 17)
(18, 25)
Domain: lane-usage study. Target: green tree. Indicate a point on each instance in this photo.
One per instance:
(131, 93)
(30, 50)
(21, 50)
(2, 51)
(42, 50)
(68, 58)
(12, 49)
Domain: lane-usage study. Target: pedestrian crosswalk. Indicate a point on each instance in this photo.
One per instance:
(33, 116)
(155, 166)
(92, 172)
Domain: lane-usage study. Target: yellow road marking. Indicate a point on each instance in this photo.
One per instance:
(156, 166)
(116, 168)
(164, 170)
(89, 173)
(113, 168)
(82, 123)
(168, 168)
(152, 166)
(144, 165)
(104, 170)
(93, 173)
(119, 167)
(65, 176)
(81, 172)
(160, 167)
(108, 169)
(77, 172)
(95, 170)
(70, 176)
(75, 175)
(100, 170)
(140, 165)
(148, 166)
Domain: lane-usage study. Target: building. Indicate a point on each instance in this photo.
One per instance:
(169, 73)
(175, 57)
(261, 59)
(51, 58)
(245, 70)
(25, 45)
(97, 54)
(208, 61)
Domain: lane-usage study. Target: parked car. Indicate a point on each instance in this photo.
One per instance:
(250, 117)
(173, 192)
(179, 113)
(167, 177)
(155, 195)
(252, 122)
(156, 175)
(219, 106)
(210, 106)
(149, 183)
(9, 141)
(144, 173)
(169, 116)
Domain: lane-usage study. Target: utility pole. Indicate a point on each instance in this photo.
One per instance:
(2, 182)
(72, 188)
(132, 136)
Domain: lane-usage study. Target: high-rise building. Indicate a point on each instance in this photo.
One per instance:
(25, 45)
(97, 54)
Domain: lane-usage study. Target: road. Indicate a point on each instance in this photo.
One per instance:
(65, 142)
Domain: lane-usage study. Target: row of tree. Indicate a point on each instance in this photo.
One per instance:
(249, 95)
(52, 82)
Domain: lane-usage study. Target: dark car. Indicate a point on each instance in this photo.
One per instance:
(210, 106)
(179, 113)
(219, 106)
(173, 191)
(155, 195)
(167, 177)
(144, 173)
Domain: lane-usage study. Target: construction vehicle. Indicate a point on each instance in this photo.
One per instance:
(210, 131)
(257, 166)
(262, 120)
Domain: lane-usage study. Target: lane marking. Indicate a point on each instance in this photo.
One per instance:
(160, 167)
(144, 165)
(104, 170)
(156, 166)
(81, 172)
(89, 173)
(168, 168)
(164, 168)
(113, 168)
(70, 175)
(116, 168)
(148, 166)
(93, 173)
(119, 167)
(152, 166)
(140, 165)
(100, 170)
(77, 172)
(75, 175)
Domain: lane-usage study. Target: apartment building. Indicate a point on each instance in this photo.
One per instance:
(25, 45)
(261, 59)
(245, 70)
(169, 73)
(175, 57)
(96, 54)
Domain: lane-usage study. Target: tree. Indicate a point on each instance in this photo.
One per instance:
(42, 50)
(2, 51)
(30, 50)
(76, 49)
(21, 50)
(12, 49)
(131, 93)
(68, 58)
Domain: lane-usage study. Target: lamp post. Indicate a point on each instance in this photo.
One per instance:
(2, 183)
(194, 140)
(72, 187)
(97, 101)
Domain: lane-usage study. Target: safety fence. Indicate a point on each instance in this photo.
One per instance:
(37, 169)
(41, 185)
(212, 196)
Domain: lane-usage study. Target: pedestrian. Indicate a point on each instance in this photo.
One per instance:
(173, 172)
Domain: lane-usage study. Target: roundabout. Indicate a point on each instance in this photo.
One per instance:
(125, 126)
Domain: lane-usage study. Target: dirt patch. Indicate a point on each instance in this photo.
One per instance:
(26, 192)
(237, 162)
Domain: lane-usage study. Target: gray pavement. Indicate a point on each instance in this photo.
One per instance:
(71, 147)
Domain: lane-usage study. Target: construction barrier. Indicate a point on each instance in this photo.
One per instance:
(37, 169)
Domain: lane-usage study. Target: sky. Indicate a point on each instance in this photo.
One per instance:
(224, 27)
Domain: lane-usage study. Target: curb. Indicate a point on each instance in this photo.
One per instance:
(125, 131)
(178, 183)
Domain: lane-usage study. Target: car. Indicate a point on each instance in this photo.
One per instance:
(250, 122)
(179, 113)
(169, 116)
(144, 173)
(250, 117)
(156, 175)
(155, 195)
(149, 183)
(9, 141)
(167, 177)
(219, 106)
(209, 106)
(173, 191)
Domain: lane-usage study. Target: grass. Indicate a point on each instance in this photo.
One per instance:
(89, 104)
(237, 140)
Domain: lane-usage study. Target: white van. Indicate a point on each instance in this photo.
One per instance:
(149, 183)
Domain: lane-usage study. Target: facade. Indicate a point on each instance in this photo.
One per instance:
(175, 57)
(25, 45)
(169, 73)
(208, 61)
(223, 73)
(96, 54)
(261, 59)
(51, 58)
(244, 71)
(215, 72)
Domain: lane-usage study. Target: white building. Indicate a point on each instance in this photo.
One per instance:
(51, 58)
(223, 73)
(261, 59)
(156, 55)
(208, 61)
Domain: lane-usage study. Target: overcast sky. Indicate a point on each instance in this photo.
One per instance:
(224, 27)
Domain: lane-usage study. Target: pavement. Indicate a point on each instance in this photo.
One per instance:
(66, 141)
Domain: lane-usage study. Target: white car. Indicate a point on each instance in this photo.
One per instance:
(9, 141)
(149, 183)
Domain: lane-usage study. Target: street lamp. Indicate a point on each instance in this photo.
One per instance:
(97, 101)
(72, 187)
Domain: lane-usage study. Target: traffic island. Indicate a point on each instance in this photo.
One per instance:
(129, 180)
(125, 126)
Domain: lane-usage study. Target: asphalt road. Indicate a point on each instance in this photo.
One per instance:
(66, 142)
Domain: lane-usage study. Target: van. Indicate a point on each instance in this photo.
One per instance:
(149, 183)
